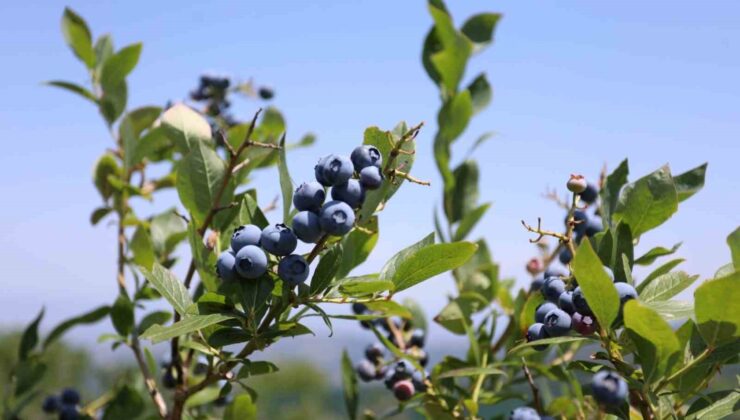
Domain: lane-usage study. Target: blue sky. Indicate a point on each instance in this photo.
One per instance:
(576, 85)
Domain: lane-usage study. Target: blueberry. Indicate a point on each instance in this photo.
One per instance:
(371, 177)
(524, 413)
(401, 371)
(552, 288)
(554, 272)
(423, 357)
(403, 390)
(537, 332)
(245, 235)
(68, 412)
(583, 324)
(225, 266)
(557, 323)
(278, 239)
(593, 226)
(309, 196)
(266, 93)
(366, 155)
(542, 310)
(609, 388)
(337, 218)
(590, 193)
(70, 396)
(565, 256)
(417, 338)
(565, 301)
(201, 366)
(626, 292)
(51, 404)
(307, 227)
(418, 379)
(365, 370)
(537, 284)
(168, 380)
(374, 352)
(351, 192)
(359, 308)
(251, 262)
(404, 368)
(579, 302)
(580, 218)
(293, 269)
(576, 183)
(334, 170)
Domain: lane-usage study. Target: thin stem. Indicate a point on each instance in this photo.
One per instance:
(532, 386)
(698, 359)
(149, 382)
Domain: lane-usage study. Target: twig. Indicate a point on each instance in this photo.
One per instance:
(552, 194)
(149, 382)
(272, 206)
(542, 233)
(395, 172)
(533, 386)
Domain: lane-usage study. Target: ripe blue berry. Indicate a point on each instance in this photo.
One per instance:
(51, 404)
(278, 239)
(565, 301)
(403, 390)
(337, 218)
(374, 352)
(554, 272)
(579, 301)
(593, 226)
(365, 370)
(418, 379)
(351, 192)
(537, 284)
(309, 196)
(524, 413)
(626, 292)
(293, 269)
(251, 262)
(542, 310)
(417, 338)
(245, 235)
(580, 218)
(537, 332)
(609, 388)
(68, 412)
(366, 155)
(557, 323)
(552, 288)
(70, 397)
(565, 256)
(371, 177)
(334, 170)
(307, 227)
(590, 193)
(225, 266)
(359, 308)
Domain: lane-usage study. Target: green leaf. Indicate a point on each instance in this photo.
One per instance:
(326, 270)
(254, 295)
(471, 371)
(663, 269)
(113, 102)
(119, 65)
(27, 374)
(87, 318)
(479, 29)
(250, 213)
(142, 119)
(143, 248)
(717, 405)
(667, 286)
(99, 214)
(657, 344)
(155, 146)
(418, 319)
(103, 50)
(204, 259)
(357, 246)
(454, 116)
(157, 333)
(154, 318)
(169, 287)
(349, 386)
(74, 88)
(469, 221)
(549, 341)
(734, 243)
(610, 191)
(286, 184)
(127, 404)
(463, 199)
(624, 248)
(185, 127)
(122, 315)
(78, 37)
(659, 251)
(200, 179)
(364, 285)
(648, 202)
(30, 337)
(672, 309)
(389, 269)
(717, 314)
(228, 336)
(429, 262)
(106, 166)
(167, 229)
(451, 60)
(690, 182)
(389, 308)
(596, 285)
(256, 368)
(480, 93)
(242, 408)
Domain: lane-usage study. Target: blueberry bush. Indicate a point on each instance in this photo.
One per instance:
(586, 339)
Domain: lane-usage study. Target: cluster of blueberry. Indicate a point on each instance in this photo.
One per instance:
(64, 404)
(247, 259)
(527, 413)
(213, 90)
(585, 225)
(399, 376)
